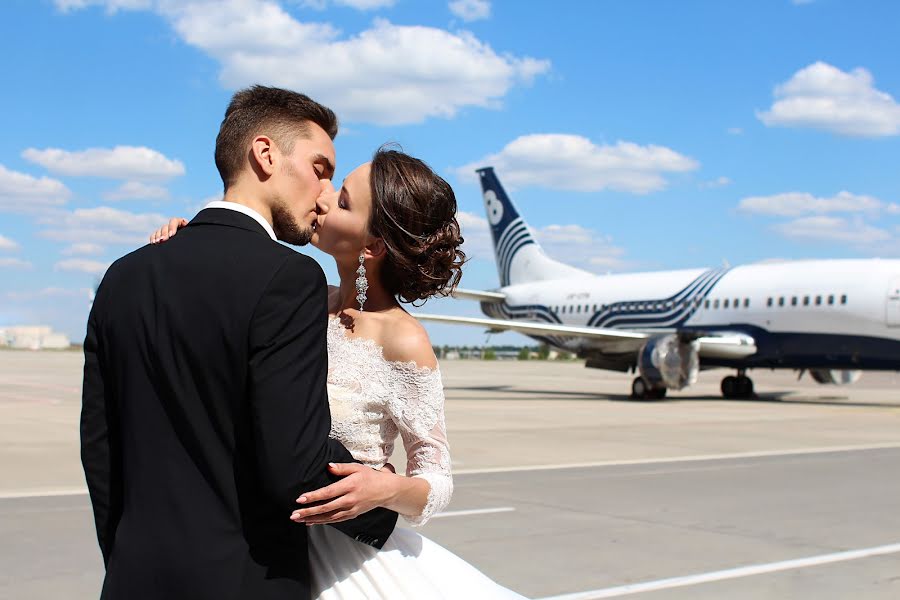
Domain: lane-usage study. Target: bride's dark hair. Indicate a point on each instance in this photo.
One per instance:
(414, 212)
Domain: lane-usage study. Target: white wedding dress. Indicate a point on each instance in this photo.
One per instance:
(372, 401)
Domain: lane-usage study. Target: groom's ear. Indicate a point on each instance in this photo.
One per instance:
(376, 248)
(261, 155)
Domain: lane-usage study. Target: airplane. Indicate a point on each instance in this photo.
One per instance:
(831, 318)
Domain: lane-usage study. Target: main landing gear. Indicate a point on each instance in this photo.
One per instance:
(738, 388)
(641, 390)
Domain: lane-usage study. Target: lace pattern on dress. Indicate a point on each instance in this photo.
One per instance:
(373, 400)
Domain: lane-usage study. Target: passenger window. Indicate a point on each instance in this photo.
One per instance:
(706, 304)
(780, 300)
(725, 303)
(830, 299)
(844, 299)
(578, 309)
(818, 300)
(716, 303)
(769, 301)
(805, 300)
(746, 302)
(737, 303)
(793, 300)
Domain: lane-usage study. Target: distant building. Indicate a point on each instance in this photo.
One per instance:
(36, 337)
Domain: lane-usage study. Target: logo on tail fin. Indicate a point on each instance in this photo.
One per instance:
(509, 232)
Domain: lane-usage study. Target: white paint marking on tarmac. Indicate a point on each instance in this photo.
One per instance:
(608, 463)
(677, 459)
(673, 582)
(45, 494)
(480, 511)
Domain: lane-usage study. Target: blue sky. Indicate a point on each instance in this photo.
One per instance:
(633, 135)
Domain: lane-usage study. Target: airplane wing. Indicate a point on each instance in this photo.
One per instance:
(492, 297)
(526, 327)
(720, 345)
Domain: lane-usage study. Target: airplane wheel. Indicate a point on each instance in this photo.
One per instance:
(639, 388)
(744, 387)
(729, 387)
(658, 393)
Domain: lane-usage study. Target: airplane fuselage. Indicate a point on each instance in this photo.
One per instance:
(835, 314)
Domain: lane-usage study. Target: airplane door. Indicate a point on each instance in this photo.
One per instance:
(893, 304)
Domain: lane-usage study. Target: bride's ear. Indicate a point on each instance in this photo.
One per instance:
(376, 248)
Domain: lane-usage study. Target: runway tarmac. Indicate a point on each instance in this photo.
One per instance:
(564, 489)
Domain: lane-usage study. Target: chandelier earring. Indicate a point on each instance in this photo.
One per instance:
(362, 284)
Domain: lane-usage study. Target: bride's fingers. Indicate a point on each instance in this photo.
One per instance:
(305, 513)
(335, 517)
(328, 492)
(174, 224)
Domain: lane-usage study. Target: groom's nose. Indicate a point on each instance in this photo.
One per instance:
(322, 204)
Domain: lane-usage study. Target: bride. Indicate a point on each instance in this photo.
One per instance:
(393, 233)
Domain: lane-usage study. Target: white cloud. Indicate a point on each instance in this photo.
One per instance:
(121, 162)
(581, 246)
(793, 204)
(471, 10)
(718, 182)
(8, 244)
(22, 193)
(102, 225)
(14, 263)
(572, 162)
(49, 292)
(136, 190)
(83, 265)
(477, 235)
(112, 6)
(821, 96)
(837, 229)
(568, 243)
(84, 248)
(357, 4)
(388, 74)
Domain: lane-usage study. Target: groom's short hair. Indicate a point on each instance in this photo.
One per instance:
(281, 114)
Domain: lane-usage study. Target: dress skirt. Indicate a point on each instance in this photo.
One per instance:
(409, 566)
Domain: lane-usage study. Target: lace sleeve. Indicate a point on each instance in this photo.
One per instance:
(418, 410)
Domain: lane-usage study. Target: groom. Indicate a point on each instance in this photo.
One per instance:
(205, 412)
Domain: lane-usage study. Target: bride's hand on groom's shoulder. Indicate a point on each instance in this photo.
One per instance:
(167, 230)
(361, 489)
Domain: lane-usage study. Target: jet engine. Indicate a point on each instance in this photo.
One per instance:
(669, 362)
(835, 376)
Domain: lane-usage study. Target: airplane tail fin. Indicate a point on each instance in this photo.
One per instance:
(520, 259)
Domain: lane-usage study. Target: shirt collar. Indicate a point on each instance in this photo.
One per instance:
(247, 211)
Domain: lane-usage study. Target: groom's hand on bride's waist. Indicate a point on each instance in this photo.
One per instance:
(361, 489)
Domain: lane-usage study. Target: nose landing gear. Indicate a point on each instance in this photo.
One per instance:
(738, 388)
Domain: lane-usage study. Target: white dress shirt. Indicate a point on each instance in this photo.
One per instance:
(247, 211)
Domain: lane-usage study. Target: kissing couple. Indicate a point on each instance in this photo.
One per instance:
(238, 413)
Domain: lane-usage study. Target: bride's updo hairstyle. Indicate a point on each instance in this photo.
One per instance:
(414, 212)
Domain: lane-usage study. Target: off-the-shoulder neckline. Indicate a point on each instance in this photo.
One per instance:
(378, 350)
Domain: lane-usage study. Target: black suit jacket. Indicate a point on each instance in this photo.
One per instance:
(205, 415)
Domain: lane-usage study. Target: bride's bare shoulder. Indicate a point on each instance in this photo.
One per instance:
(404, 339)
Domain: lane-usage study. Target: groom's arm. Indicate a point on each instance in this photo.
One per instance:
(99, 434)
(288, 394)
